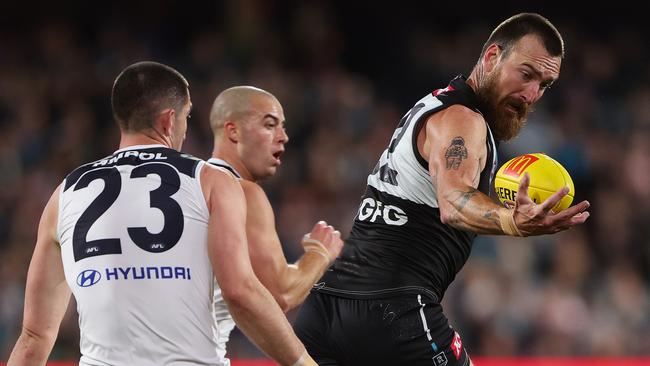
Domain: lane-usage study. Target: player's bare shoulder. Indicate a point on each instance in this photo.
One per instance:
(259, 207)
(459, 116)
(454, 124)
(212, 175)
(253, 191)
(218, 181)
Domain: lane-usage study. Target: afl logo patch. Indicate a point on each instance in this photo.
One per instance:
(88, 278)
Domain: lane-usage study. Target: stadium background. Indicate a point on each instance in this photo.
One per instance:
(345, 74)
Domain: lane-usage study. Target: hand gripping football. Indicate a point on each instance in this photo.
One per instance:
(547, 176)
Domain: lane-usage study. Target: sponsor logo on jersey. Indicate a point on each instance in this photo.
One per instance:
(376, 211)
(132, 153)
(148, 273)
(456, 345)
(88, 278)
(443, 90)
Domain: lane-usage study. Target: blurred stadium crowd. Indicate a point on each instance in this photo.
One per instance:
(345, 77)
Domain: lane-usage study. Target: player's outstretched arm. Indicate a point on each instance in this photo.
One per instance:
(254, 309)
(455, 145)
(288, 283)
(46, 294)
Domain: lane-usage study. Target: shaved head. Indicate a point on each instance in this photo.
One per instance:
(233, 104)
(249, 131)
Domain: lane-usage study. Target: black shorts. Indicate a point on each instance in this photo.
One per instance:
(405, 330)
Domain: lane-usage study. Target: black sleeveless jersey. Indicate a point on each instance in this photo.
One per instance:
(398, 242)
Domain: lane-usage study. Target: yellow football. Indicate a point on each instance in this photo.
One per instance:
(547, 176)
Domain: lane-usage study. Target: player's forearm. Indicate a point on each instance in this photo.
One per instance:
(300, 278)
(471, 210)
(261, 319)
(30, 350)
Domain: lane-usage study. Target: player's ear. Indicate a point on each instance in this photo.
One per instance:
(231, 131)
(491, 56)
(166, 121)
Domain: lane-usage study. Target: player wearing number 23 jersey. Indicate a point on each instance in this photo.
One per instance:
(131, 228)
(139, 238)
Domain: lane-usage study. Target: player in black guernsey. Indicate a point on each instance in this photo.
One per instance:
(426, 200)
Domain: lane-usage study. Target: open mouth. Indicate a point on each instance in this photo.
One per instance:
(277, 155)
(515, 109)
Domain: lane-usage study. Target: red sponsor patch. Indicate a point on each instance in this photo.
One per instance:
(444, 90)
(456, 345)
(517, 166)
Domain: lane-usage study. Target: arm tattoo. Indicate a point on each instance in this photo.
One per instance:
(492, 217)
(455, 153)
(460, 202)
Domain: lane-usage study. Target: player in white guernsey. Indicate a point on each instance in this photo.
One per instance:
(427, 198)
(139, 237)
(249, 137)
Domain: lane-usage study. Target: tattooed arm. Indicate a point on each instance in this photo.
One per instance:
(454, 145)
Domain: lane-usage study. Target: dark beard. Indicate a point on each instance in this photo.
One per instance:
(504, 124)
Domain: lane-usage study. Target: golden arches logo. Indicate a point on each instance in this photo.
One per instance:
(517, 166)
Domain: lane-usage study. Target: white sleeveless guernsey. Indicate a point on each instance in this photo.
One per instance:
(225, 322)
(133, 234)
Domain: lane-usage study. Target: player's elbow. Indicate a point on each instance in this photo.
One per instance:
(447, 213)
(240, 293)
(36, 343)
(284, 297)
(284, 301)
(44, 335)
(291, 299)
